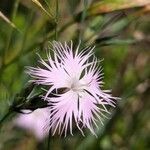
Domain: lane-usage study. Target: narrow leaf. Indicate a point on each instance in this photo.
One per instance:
(7, 20)
(42, 8)
(109, 6)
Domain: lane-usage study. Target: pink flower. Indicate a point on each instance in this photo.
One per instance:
(83, 100)
(35, 122)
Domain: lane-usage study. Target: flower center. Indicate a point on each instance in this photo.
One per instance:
(76, 86)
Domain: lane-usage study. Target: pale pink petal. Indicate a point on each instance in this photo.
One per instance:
(34, 122)
(64, 109)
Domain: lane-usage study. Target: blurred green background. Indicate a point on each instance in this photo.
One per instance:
(120, 30)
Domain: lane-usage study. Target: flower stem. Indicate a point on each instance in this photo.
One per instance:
(5, 117)
(56, 19)
(85, 3)
(49, 137)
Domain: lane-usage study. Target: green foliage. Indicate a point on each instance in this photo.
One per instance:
(121, 38)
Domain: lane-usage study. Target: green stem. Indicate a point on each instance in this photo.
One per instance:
(49, 138)
(11, 29)
(82, 19)
(56, 19)
(5, 117)
(15, 8)
(21, 52)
